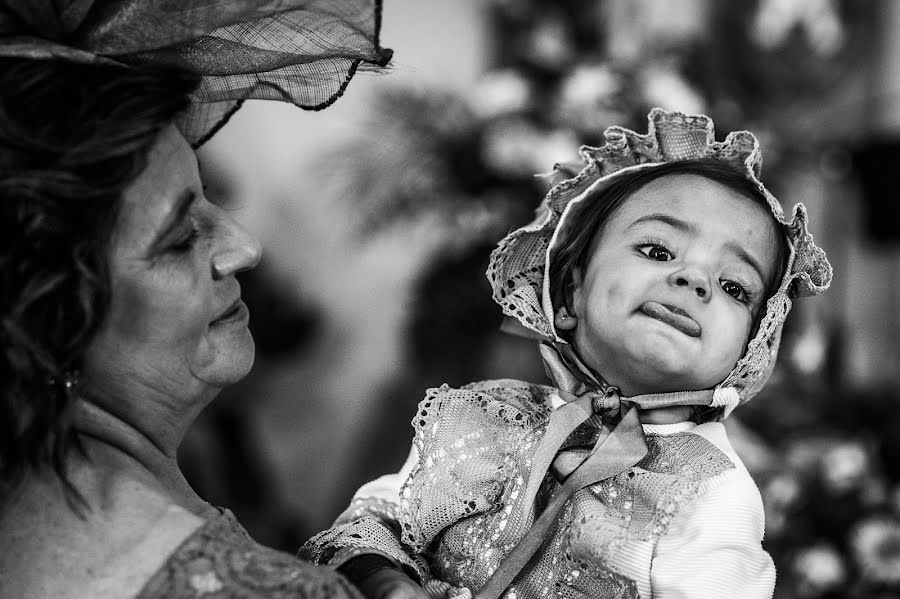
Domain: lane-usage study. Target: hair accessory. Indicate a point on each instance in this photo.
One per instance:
(298, 51)
(519, 266)
(71, 380)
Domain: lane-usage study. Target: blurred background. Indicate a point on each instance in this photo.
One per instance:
(378, 216)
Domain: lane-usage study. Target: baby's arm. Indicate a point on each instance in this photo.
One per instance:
(367, 533)
(713, 546)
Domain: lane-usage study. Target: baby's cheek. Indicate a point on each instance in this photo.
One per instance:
(739, 335)
(616, 295)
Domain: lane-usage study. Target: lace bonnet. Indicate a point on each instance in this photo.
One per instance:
(520, 265)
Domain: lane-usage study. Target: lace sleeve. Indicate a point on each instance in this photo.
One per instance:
(221, 560)
(370, 525)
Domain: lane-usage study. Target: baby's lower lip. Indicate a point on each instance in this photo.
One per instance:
(683, 323)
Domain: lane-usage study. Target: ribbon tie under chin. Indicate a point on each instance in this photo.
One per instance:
(616, 450)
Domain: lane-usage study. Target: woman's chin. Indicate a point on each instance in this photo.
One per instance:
(232, 362)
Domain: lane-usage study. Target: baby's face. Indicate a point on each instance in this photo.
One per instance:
(669, 294)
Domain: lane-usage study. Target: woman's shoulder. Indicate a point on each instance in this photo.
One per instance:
(54, 548)
(220, 557)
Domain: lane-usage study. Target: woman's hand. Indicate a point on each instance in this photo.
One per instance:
(390, 583)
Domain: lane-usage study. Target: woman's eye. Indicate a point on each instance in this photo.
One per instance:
(735, 291)
(657, 252)
(187, 241)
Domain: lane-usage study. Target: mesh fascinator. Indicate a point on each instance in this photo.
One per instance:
(299, 51)
(519, 267)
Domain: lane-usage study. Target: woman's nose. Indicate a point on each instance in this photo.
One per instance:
(239, 250)
(695, 280)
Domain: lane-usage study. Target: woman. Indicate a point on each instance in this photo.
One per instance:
(121, 313)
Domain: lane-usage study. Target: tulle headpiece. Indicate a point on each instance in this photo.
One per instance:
(299, 51)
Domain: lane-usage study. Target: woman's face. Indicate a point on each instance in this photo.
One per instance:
(667, 300)
(176, 323)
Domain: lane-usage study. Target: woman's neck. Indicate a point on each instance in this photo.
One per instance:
(121, 448)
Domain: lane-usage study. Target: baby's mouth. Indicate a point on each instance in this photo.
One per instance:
(672, 316)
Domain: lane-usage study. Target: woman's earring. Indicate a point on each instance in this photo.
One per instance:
(71, 380)
(564, 321)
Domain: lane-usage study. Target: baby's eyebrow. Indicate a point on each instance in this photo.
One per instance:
(690, 229)
(745, 256)
(668, 219)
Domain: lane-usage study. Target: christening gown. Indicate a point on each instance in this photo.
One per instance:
(686, 521)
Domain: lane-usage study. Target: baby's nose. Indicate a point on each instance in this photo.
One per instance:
(699, 290)
(695, 280)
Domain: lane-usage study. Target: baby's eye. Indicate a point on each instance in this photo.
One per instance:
(735, 291)
(656, 252)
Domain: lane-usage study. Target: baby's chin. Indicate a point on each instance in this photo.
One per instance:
(651, 365)
(654, 375)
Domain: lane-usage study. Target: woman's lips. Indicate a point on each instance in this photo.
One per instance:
(236, 311)
(673, 317)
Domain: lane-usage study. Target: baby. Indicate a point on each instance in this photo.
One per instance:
(656, 280)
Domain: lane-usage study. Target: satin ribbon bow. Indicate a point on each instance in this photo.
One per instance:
(615, 451)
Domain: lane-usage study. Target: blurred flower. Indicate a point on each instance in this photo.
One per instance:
(548, 45)
(818, 569)
(876, 547)
(844, 466)
(776, 19)
(502, 93)
(636, 28)
(663, 86)
(779, 494)
(808, 350)
(804, 455)
(516, 148)
(589, 85)
(588, 100)
(507, 147)
(776, 523)
(782, 490)
(559, 145)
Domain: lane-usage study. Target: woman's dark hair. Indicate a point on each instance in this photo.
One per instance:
(577, 252)
(72, 138)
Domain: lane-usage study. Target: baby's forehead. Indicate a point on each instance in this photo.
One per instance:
(696, 198)
(687, 205)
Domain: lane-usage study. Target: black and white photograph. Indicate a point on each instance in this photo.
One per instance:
(449, 299)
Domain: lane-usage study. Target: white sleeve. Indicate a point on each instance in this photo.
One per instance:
(387, 487)
(713, 546)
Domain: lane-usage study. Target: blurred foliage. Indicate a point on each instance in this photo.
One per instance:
(832, 495)
(563, 72)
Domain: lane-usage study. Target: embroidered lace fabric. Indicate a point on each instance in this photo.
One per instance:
(519, 266)
(221, 560)
(460, 511)
(299, 51)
